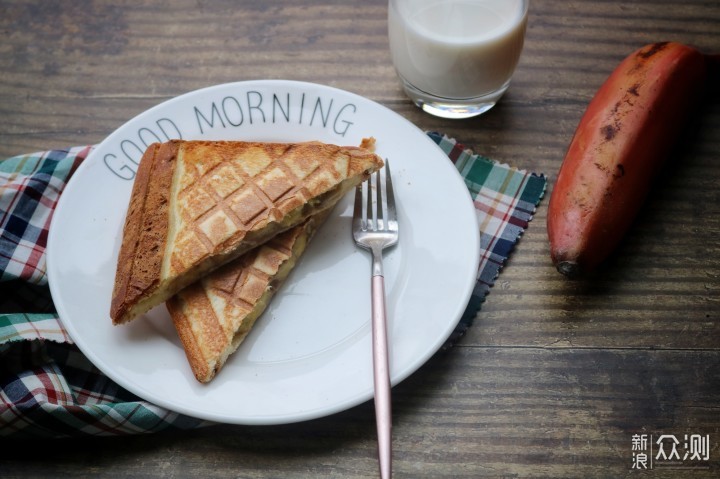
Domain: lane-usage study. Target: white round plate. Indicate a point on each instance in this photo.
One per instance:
(309, 355)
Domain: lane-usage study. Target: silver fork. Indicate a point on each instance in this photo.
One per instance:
(375, 227)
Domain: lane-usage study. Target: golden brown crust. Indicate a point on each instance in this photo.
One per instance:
(145, 230)
(199, 204)
(214, 315)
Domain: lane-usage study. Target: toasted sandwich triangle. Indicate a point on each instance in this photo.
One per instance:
(197, 205)
(214, 315)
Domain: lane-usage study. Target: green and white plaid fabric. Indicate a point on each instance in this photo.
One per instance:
(505, 199)
(49, 389)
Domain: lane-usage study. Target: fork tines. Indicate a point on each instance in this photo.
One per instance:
(378, 202)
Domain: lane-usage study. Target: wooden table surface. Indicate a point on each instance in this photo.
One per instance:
(555, 377)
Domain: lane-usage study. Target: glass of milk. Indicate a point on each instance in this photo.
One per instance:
(455, 58)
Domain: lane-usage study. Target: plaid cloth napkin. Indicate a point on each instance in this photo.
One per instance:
(49, 389)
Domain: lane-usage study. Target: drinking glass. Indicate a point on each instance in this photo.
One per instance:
(455, 58)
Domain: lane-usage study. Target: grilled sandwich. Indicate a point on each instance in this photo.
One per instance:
(215, 314)
(197, 205)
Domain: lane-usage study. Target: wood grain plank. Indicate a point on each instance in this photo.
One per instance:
(471, 412)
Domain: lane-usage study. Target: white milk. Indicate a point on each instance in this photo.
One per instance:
(457, 49)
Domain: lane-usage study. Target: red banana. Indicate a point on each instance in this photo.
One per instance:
(621, 141)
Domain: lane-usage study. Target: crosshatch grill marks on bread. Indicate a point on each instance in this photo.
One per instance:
(214, 315)
(197, 205)
(269, 184)
(258, 269)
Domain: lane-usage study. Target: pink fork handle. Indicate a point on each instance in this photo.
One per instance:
(381, 375)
